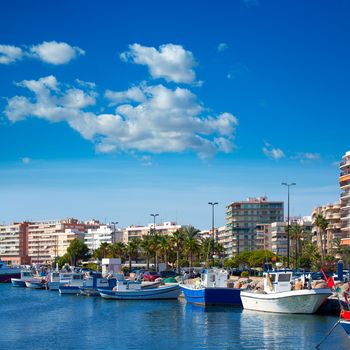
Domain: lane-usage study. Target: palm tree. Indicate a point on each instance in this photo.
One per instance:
(155, 244)
(132, 250)
(164, 247)
(146, 248)
(321, 223)
(191, 231)
(191, 246)
(117, 250)
(207, 248)
(297, 233)
(102, 251)
(177, 240)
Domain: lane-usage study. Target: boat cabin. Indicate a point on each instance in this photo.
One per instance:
(214, 278)
(277, 281)
(124, 285)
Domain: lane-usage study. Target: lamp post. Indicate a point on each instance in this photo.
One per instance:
(114, 223)
(154, 222)
(213, 204)
(288, 243)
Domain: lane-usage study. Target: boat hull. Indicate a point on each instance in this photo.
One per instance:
(6, 277)
(18, 282)
(171, 292)
(292, 302)
(346, 325)
(212, 296)
(35, 285)
(69, 290)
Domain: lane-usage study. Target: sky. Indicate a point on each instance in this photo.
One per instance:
(117, 110)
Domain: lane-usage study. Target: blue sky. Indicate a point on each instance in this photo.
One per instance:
(115, 110)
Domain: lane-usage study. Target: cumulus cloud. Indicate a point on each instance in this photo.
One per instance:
(272, 152)
(170, 62)
(56, 53)
(51, 52)
(10, 54)
(146, 119)
(222, 47)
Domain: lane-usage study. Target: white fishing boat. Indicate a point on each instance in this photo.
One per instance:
(21, 282)
(278, 296)
(73, 285)
(57, 279)
(127, 290)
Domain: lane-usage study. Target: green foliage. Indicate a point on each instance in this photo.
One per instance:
(65, 259)
(77, 250)
(231, 262)
(244, 274)
(93, 267)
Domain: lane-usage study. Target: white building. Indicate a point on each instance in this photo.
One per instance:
(164, 229)
(94, 237)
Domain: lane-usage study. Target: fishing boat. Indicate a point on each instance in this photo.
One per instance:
(278, 296)
(35, 283)
(212, 290)
(7, 272)
(21, 281)
(73, 285)
(345, 321)
(94, 282)
(129, 290)
(57, 279)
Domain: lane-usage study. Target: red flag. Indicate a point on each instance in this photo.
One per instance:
(330, 282)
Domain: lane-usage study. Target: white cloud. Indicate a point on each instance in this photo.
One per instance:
(222, 47)
(307, 156)
(163, 120)
(272, 152)
(56, 53)
(26, 160)
(171, 62)
(134, 94)
(10, 54)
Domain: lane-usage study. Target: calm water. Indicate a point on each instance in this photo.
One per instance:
(39, 319)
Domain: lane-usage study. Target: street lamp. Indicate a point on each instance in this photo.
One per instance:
(154, 222)
(114, 232)
(213, 204)
(288, 185)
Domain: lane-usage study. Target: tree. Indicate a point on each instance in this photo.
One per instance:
(77, 250)
(164, 247)
(192, 246)
(177, 240)
(155, 247)
(296, 234)
(132, 250)
(322, 224)
(146, 248)
(102, 251)
(117, 250)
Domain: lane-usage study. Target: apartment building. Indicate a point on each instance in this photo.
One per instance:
(95, 236)
(164, 229)
(14, 243)
(344, 182)
(332, 213)
(263, 237)
(243, 217)
(48, 239)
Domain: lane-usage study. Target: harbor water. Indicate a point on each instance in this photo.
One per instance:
(40, 319)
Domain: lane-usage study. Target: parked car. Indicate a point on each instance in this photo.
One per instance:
(151, 276)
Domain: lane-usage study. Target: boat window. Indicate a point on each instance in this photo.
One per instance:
(284, 278)
(55, 275)
(27, 274)
(77, 277)
(272, 277)
(212, 278)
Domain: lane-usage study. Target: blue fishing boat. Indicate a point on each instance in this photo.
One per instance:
(8, 272)
(212, 290)
(346, 325)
